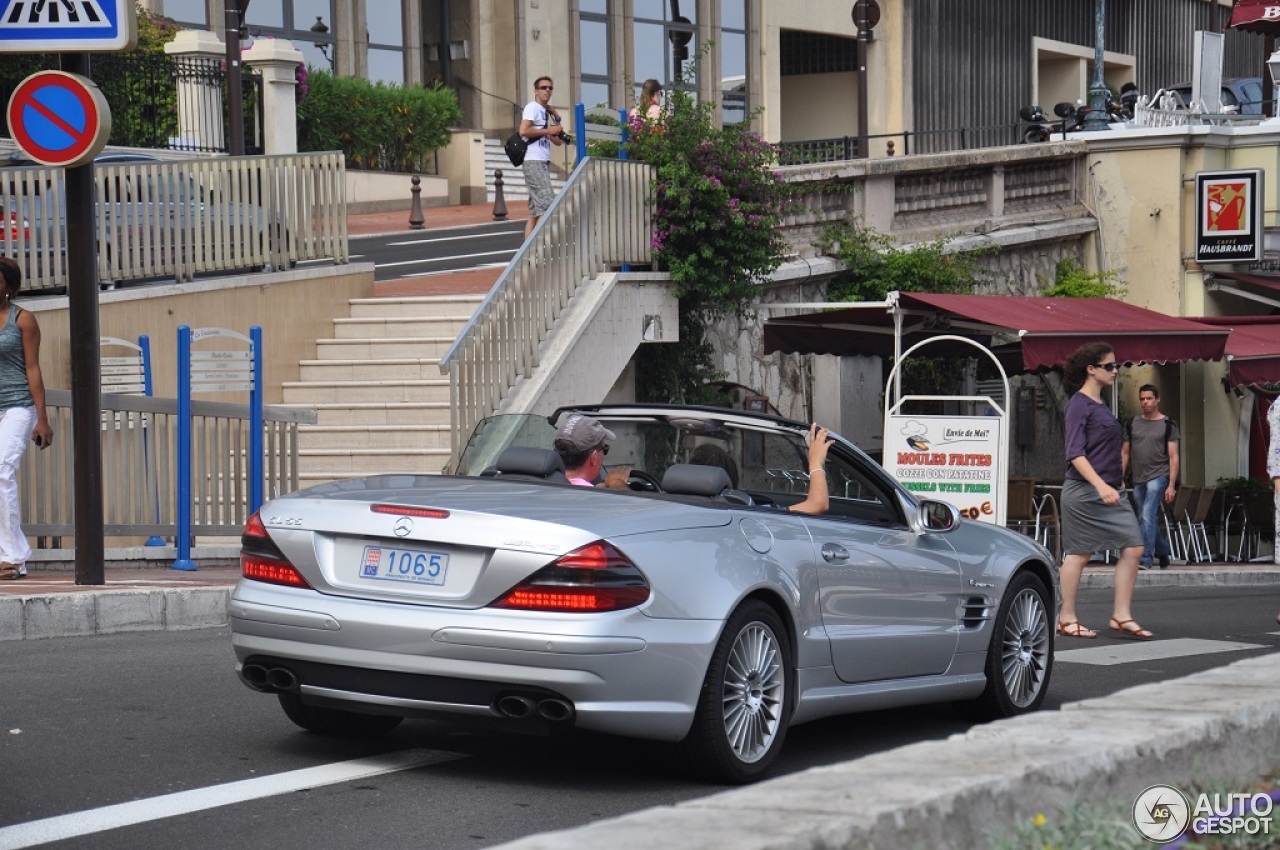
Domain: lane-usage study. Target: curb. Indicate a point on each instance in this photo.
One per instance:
(106, 611)
(961, 793)
(1218, 577)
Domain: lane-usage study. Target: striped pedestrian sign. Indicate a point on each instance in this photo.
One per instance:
(43, 26)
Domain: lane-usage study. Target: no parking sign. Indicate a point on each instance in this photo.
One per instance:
(59, 118)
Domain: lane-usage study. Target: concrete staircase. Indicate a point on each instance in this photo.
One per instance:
(513, 185)
(382, 403)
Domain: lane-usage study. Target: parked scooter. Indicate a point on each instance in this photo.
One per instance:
(1070, 118)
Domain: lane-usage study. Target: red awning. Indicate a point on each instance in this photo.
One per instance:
(1260, 16)
(1045, 331)
(1253, 349)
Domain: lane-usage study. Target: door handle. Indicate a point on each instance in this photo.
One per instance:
(834, 553)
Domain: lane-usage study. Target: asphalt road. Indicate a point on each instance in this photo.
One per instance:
(87, 724)
(402, 255)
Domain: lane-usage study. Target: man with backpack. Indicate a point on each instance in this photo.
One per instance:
(1150, 451)
(540, 126)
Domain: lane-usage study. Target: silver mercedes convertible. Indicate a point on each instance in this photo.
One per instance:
(687, 607)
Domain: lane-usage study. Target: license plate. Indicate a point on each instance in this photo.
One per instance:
(393, 563)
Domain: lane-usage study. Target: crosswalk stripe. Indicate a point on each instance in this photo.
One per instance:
(198, 799)
(1148, 650)
(55, 14)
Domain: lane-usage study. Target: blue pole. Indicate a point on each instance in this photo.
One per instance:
(622, 155)
(184, 561)
(144, 343)
(580, 127)
(255, 422)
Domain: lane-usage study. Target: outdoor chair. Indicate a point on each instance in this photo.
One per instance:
(1197, 517)
(1174, 515)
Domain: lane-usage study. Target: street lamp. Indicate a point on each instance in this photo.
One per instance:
(320, 30)
(1096, 117)
(1273, 65)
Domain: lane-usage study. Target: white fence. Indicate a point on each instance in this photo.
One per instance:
(139, 466)
(177, 218)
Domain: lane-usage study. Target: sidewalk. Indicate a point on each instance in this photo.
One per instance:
(434, 218)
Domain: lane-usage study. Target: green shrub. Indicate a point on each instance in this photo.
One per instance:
(378, 127)
(1072, 281)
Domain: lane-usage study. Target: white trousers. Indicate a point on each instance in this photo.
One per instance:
(16, 425)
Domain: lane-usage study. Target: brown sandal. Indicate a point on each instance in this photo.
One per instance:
(1136, 633)
(9, 572)
(1076, 630)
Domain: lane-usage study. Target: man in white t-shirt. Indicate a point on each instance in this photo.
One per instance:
(540, 125)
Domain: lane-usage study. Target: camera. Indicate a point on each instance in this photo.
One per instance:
(566, 138)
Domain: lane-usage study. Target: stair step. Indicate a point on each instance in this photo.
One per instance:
(420, 389)
(371, 461)
(391, 348)
(369, 370)
(381, 327)
(425, 306)
(372, 413)
(395, 437)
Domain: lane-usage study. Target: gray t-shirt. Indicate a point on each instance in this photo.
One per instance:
(1148, 447)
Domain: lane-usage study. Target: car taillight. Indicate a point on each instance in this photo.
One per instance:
(595, 577)
(262, 560)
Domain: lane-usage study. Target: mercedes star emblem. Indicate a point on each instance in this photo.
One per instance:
(404, 525)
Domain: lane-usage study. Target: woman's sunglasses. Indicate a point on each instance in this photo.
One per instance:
(1110, 367)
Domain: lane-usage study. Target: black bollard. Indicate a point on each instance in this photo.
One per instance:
(499, 202)
(416, 220)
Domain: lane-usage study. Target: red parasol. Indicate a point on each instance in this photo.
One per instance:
(1256, 16)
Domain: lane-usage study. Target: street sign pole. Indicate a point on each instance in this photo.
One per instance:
(86, 380)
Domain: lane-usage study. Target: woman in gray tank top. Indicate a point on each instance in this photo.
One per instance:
(22, 414)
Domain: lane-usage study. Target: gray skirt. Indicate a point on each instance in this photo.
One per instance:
(1090, 525)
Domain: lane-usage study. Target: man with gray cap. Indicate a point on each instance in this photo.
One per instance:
(582, 443)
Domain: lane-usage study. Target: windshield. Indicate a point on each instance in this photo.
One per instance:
(766, 460)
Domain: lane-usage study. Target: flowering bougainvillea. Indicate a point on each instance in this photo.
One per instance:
(718, 205)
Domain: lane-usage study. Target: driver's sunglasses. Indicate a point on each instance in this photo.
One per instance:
(604, 448)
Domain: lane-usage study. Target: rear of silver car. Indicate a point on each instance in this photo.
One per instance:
(412, 610)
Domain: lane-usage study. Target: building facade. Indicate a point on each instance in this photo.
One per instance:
(933, 67)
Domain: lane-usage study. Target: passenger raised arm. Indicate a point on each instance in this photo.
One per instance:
(818, 500)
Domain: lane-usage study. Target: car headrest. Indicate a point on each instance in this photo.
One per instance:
(689, 479)
(527, 460)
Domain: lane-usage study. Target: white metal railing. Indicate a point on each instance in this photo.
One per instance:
(601, 220)
(176, 218)
(139, 466)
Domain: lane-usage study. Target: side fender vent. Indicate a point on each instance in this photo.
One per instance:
(975, 611)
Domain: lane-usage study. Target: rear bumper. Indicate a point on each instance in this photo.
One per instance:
(622, 672)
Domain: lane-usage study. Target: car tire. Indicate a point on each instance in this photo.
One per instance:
(336, 722)
(1020, 656)
(745, 704)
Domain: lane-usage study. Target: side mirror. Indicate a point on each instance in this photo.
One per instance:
(938, 516)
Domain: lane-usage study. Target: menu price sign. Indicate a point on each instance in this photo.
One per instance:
(952, 459)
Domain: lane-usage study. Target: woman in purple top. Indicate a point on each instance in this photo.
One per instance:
(1095, 514)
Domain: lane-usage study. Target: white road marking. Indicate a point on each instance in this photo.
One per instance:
(92, 821)
(509, 253)
(448, 239)
(1148, 650)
